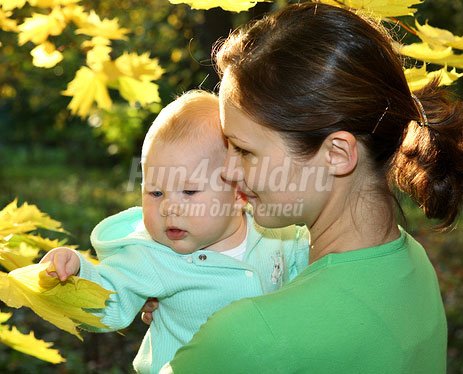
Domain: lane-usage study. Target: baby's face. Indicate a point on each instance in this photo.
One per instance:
(186, 204)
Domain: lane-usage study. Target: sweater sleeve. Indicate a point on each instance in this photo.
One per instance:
(237, 331)
(128, 274)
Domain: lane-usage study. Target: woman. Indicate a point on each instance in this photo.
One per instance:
(310, 88)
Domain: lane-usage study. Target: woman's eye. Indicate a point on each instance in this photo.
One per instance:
(189, 192)
(241, 151)
(156, 193)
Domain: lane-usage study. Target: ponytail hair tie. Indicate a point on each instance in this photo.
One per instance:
(424, 118)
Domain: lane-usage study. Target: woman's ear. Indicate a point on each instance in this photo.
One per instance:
(341, 152)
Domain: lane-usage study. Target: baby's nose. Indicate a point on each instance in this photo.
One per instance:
(171, 208)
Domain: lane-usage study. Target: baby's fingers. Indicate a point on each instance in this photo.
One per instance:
(60, 262)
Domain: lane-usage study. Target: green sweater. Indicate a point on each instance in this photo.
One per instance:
(373, 310)
(189, 287)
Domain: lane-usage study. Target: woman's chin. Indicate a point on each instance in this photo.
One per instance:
(273, 215)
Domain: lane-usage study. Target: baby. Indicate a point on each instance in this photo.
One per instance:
(191, 244)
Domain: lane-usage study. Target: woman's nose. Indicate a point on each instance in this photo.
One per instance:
(232, 171)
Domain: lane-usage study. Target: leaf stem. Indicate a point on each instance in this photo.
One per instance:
(403, 25)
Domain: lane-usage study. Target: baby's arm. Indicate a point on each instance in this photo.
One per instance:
(126, 273)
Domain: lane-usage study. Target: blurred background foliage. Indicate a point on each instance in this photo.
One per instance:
(78, 170)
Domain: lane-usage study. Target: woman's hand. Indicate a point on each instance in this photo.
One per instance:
(64, 262)
(147, 311)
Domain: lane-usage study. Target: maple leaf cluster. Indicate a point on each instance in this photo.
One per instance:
(92, 82)
(27, 284)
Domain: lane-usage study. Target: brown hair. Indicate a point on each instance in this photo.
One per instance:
(312, 69)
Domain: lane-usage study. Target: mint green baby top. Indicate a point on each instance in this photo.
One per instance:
(375, 310)
(189, 287)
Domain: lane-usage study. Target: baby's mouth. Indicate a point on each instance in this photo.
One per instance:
(174, 233)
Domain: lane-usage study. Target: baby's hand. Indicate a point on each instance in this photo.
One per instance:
(64, 262)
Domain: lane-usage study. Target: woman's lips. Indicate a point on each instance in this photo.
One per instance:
(247, 194)
(176, 234)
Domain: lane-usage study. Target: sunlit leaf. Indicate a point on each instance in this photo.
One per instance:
(38, 27)
(417, 78)
(12, 258)
(51, 3)
(45, 55)
(97, 56)
(88, 256)
(140, 67)
(435, 36)
(60, 303)
(27, 217)
(6, 23)
(230, 5)
(4, 317)
(96, 41)
(436, 55)
(29, 344)
(104, 28)
(86, 88)
(12, 4)
(134, 90)
(75, 14)
(113, 73)
(35, 241)
(379, 8)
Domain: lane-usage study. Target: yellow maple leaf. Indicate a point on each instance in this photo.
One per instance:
(51, 3)
(12, 4)
(4, 317)
(417, 78)
(96, 41)
(140, 67)
(16, 257)
(433, 54)
(6, 23)
(113, 73)
(88, 256)
(230, 5)
(45, 55)
(38, 27)
(97, 56)
(60, 303)
(142, 91)
(379, 8)
(30, 345)
(76, 14)
(27, 217)
(86, 88)
(105, 28)
(34, 241)
(27, 343)
(435, 36)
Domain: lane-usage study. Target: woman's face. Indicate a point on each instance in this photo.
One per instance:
(281, 189)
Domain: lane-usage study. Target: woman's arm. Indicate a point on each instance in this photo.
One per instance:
(236, 339)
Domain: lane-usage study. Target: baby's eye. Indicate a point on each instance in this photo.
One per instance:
(239, 150)
(156, 193)
(190, 192)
